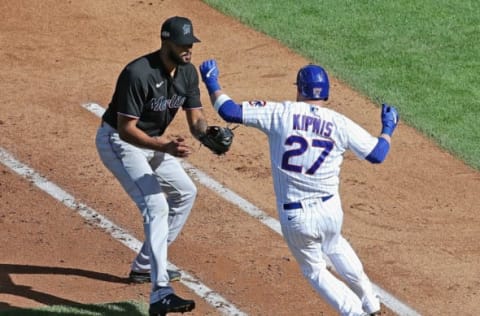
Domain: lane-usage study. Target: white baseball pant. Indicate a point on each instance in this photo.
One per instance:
(314, 229)
(162, 191)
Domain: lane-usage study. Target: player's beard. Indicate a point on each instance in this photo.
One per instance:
(180, 59)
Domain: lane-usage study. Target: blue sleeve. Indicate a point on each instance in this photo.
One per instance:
(379, 153)
(231, 112)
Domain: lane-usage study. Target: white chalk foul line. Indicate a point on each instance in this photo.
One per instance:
(97, 219)
(387, 299)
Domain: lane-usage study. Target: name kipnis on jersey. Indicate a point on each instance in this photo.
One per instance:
(312, 124)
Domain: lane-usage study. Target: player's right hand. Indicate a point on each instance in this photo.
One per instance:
(389, 118)
(209, 72)
(178, 148)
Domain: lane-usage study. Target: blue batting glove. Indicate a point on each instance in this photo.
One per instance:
(390, 119)
(209, 72)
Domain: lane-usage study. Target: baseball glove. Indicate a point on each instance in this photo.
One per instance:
(218, 139)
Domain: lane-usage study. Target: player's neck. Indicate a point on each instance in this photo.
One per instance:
(168, 64)
(315, 102)
(300, 98)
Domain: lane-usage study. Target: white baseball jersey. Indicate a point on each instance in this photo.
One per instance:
(307, 143)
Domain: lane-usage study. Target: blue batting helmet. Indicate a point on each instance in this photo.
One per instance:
(312, 82)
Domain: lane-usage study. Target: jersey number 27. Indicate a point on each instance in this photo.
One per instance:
(291, 140)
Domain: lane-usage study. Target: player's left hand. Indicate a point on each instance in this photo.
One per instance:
(390, 119)
(218, 139)
(209, 72)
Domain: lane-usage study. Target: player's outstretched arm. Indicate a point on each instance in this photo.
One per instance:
(390, 118)
(223, 104)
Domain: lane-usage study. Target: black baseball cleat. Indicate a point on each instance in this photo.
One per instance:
(144, 277)
(171, 304)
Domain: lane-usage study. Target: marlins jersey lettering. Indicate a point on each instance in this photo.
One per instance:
(306, 143)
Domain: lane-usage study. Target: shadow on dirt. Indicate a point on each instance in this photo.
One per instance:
(8, 286)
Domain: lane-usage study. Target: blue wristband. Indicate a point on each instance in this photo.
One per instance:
(212, 86)
(388, 130)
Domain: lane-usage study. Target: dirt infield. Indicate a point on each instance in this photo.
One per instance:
(413, 220)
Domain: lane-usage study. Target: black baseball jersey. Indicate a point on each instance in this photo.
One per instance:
(145, 90)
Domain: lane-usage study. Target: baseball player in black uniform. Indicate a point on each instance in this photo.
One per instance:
(131, 143)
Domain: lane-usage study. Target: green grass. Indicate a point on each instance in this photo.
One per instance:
(422, 56)
(129, 308)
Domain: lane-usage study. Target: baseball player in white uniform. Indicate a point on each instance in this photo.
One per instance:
(307, 142)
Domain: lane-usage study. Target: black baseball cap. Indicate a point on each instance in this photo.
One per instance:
(179, 30)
